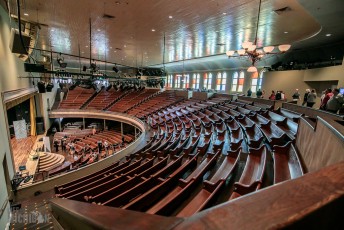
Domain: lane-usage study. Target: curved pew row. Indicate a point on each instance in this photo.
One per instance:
(287, 164)
(212, 187)
(253, 173)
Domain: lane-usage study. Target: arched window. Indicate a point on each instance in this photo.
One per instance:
(254, 82)
(207, 80)
(169, 81)
(241, 81)
(177, 81)
(238, 81)
(186, 81)
(235, 82)
(221, 81)
(195, 81)
(210, 78)
(260, 79)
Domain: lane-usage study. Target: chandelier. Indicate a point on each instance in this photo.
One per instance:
(254, 53)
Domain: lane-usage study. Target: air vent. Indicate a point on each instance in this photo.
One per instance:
(118, 49)
(220, 44)
(108, 16)
(282, 10)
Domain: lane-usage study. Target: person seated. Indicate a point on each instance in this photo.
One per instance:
(278, 95)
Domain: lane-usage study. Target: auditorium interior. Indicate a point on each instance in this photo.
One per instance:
(160, 114)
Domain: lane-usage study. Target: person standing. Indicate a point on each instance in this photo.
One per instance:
(249, 92)
(335, 102)
(273, 95)
(296, 95)
(311, 98)
(106, 146)
(56, 144)
(305, 97)
(99, 146)
(326, 97)
(259, 93)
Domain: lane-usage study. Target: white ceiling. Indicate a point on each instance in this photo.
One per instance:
(193, 28)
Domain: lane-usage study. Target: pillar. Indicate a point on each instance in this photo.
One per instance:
(121, 128)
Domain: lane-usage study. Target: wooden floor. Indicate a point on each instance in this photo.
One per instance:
(21, 149)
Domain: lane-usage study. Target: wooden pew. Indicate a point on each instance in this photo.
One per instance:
(254, 136)
(253, 173)
(93, 176)
(99, 180)
(108, 183)
(161, 168)
(287, 164)
(294, 116)
(273, 134)
(167, 205)
(212, 187)
(155, 180)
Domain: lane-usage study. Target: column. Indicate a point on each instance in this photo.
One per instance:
(122, 128)
(104, 124)
(83, 122)
(59, 124)
(135, 133)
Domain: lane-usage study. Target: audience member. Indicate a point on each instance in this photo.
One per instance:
(325, 97)
(311, 97)
(278, 95)
(94, 131)
(259, 93)
(335, 102)
(296, 95)
(305, 97)
(263, 94)
(273, 95)
(56, 144)
(249, 92)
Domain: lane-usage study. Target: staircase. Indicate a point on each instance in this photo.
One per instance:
(49, 161)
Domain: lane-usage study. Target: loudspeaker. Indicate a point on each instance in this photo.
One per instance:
(34, 67)
(39, 128)
(84, 68)
(16, 45)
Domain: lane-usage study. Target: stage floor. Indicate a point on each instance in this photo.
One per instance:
(21, 149)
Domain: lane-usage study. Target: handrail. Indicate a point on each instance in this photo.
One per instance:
(287, 204)
(3, 207)
(83, 112)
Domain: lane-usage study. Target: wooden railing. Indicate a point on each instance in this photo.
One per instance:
(312, 113)
(313, 201)
(320, 146)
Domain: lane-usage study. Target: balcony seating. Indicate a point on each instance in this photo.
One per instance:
(252, 176)
(287, 164)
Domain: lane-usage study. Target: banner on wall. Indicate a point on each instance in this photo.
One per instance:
(20, 129)
(46, 143)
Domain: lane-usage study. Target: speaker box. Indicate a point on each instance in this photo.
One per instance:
(34, 67)
(39, 128)
(16, 45)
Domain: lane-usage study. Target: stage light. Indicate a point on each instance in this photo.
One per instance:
(115, 69)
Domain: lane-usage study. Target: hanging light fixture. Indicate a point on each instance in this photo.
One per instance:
(254, 53)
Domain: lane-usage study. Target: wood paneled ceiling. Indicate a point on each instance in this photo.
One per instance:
(192, 28)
